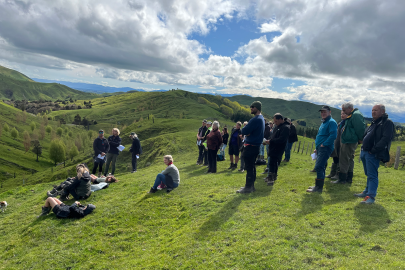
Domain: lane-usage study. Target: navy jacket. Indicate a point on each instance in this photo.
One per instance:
(254, 131)
(136, 148)
(100, 146)
(114, 142)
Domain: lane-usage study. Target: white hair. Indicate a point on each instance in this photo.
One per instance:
(347, 105)
(215, 124)
(382, 106)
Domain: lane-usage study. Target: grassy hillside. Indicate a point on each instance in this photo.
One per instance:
(297, 110)
(17, 86)
(204, 224)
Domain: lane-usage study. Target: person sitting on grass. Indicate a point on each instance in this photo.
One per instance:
(170, 176)
(62, 210)
(81, 185)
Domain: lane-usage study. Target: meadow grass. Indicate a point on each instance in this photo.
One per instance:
(204, 224)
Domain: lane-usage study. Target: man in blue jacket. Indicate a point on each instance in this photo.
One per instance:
(324, 145)
(254, 132)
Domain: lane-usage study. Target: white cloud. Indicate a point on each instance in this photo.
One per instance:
(269, 27)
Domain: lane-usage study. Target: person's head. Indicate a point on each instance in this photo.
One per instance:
(270, 124)
(378, 111)
(238, 125)
(101, 133)
(278, 119)
(204, 123)
(133, 135)
(81, 169)
(288, 120)
(115, 132)
(215, 125)
(168, 159)
(325, 112)
(225, 130)
(347, 108)
(111, 179)
(343, 116)
(245, 123)
(255, 107)
(209, 124)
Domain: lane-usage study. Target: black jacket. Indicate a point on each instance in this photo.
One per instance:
(114, 142)
(239, 139)
(100, 145)
(383, 134)
(76, 211)
(267, 131)
(279, 139)
(293, 134)
(202, 130)
(81, 188)
(136, 148)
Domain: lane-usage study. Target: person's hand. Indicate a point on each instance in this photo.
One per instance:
(77, 202)
(322, 145)
(315, 151)
(102, 154)
(267, 142)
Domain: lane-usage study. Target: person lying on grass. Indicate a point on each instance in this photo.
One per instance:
(170, 176)
(107, 179)
(62, 210)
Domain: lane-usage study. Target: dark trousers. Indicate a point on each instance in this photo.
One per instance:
(99, 165)
(336, 160)
(212, 160)
(323, 154)
(274, 162)
(71, 190)
(134, 162)
(205, 157)
(249, 155)
(200, 153)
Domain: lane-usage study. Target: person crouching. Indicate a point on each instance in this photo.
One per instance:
(81, 185)
(170, 176)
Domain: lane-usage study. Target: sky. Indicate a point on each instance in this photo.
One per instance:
(321, 51)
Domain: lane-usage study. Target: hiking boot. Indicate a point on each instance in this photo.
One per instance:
(64, 198)
(231, 166)
(368, 200)
(50, 194)
(318, 186)
(152, 190)
(241, 170)
(315, 189)
(45, 211)
(245, 190)
(341, 180)
(360, 195)
(335, 177)
(265, 171)
(349, 178)
(332, 171)
(169, 190)
(235, 166)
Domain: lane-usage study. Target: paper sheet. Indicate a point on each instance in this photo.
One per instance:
(137, 156)
(314, 156)
(121, 147)
(100, 156)
(198, 143)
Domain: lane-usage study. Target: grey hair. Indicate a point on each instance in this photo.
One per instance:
(347, 105)
(215, 124)
(382, 106)
(169, 158)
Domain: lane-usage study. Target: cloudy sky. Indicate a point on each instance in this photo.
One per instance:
(326, 52)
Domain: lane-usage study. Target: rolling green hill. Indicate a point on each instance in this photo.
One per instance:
(17, 86)
(297, 110)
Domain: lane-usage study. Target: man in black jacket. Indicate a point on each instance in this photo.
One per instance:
(114, 141)
(376, 147)
(277, 144)
(135, 150)
(200, 136)
(100, 147)
(291, 139)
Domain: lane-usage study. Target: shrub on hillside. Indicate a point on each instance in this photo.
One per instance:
(59, 131)
(36, 148)
(27, 141)
(226, 110)
(48, 129)
(57, 152)
(33, 126)
(6, 128)
(14, 133)
(203, 100)
(73, 152)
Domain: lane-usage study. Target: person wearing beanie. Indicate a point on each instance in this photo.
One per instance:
(254, 132)
(324, 145)
(61, 210)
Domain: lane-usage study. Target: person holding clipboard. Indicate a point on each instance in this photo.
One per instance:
(100, 147)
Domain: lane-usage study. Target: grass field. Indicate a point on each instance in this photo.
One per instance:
(204, 224)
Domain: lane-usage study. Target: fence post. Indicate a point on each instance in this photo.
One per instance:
(299, 145)
(306, 153)
(295, 144)
(397, 156)
(303, 146)
(312, 146)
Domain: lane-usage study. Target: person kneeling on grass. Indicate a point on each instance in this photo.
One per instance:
(81, 185)
(62, 210)
(170, 176)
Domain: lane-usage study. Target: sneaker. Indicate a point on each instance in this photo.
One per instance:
(253, 189)
(241, 170)
(368, 200)
(152, 190)
(134, 171)
(270, 182)
(64, 198)
(50, 194)
(360, 195)
(245, 190)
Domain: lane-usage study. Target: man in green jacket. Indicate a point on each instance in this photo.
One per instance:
(352, 135)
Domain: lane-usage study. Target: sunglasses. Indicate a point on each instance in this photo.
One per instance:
(101, 132)
(252, 107)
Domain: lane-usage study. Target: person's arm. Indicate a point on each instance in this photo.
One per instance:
(330, 141)
(112, 143)
(167, 170)
(388, 130)
(252, 125)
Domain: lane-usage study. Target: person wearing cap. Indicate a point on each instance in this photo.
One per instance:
(135, 150)
(352, 135)
(100, 147)
(277, 144)
(324, 145)
(204, 142)
(291, 139)
(200, 136)
(61, 210)
(235, 142)
(254, 132)
(114, 141)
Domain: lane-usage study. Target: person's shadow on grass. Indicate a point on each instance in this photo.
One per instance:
(311, 203)
(372, 217)
(228, 210)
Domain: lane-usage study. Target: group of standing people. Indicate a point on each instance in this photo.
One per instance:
(107, 151)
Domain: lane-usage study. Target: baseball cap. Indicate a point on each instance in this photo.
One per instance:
(325, 108)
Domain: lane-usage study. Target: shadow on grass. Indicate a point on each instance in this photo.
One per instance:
(338, 193)
(372, 217)
(228, 210)
(311, 203)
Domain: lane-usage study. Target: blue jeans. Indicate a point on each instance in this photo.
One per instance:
(323, 154)
(161, 178)
(261, 152)
(370, 165)
(222, 151)
(288, 147)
